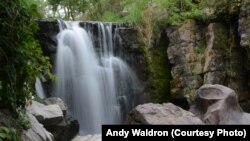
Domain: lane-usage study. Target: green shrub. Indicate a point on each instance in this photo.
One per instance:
(21, 57)
(9, 134)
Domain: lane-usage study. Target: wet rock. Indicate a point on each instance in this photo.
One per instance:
(166, 113)
(217, 104)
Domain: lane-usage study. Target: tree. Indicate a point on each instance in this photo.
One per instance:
(68, 9)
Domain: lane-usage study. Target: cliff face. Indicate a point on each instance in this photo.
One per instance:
(211, 53)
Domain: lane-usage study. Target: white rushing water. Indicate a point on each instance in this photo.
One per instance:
(39, 88)
(97, 86)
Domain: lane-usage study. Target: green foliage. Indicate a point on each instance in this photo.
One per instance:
(71, 8)
(104, 10)
(200, 49)
(23, 120)
(110, 16)
(9, 134)
(21, 57)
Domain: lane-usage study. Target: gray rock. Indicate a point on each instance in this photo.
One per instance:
(6, 118)
(216, 77)
(217, 104)
(187, 63)
(88, 138)
(37, 132)
(65, 130)
(216, 43)
(48, 115)
(51, 116)
(244, 24)
(166, 113)
(57, 101)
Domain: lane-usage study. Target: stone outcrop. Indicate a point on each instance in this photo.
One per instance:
(88, 138)
(56, 101)
(37, 132)
(46, 114)
(214, 63)
(62, 127)
(206, 54)
(244, 24)
(47, 37)
(166, 113)
(67, 128)
(217, 104)
(244, 34)
(187, 64)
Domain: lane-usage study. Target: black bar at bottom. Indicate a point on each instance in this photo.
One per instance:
(175, 132)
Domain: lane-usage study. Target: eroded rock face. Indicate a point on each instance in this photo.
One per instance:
(166, 113)
(244, 23)
(206, 54)
(216, 44)
(244, 33)
(217, 104)
(187, 64)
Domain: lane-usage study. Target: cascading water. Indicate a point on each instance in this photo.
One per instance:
(96, 85)
(39, 88)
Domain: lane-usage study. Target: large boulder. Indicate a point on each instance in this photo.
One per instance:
(67, 128)
(37, 132)
(217, 104)
(46, 114)
(57, 101)
(166, 113)
(51, 116)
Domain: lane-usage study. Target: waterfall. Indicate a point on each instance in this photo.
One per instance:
(39, 89)
(97, 86)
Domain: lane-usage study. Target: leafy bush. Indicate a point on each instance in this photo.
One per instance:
(21, 57)
(8, 134)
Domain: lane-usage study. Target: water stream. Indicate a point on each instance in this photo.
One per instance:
(97, 86)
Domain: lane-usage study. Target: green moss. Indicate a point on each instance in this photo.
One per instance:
(158, 70)
(161, 76)
(200, 49)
